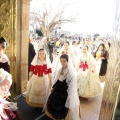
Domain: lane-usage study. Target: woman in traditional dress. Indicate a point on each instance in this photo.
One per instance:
(101, 56)
(67, 49)
(87, 80)
(40, 80)
(60, 104)
(4, 61)
(31, 54)
(6, 108)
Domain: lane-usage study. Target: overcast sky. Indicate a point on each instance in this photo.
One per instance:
(95, 16)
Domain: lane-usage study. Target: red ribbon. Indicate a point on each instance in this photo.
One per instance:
(40, 69)
(84, 66)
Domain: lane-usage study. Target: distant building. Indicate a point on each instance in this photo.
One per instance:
(59, 32)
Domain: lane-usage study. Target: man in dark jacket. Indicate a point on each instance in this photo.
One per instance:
(31, 54)
(51, 45)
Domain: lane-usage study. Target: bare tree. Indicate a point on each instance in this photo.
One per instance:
(48, 21)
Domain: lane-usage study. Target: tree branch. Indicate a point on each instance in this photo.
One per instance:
(47, 21)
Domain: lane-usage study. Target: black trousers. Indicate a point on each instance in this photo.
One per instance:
(51, 57)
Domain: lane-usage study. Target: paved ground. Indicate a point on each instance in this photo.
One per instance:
(90, 109)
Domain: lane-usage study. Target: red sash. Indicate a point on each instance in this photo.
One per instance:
(40, 69)
(84, 66)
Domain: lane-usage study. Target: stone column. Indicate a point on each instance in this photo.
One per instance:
(23, 9)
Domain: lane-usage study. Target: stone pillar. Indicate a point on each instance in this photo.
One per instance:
(23, 9)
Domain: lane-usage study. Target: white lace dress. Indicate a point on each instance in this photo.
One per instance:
(38, 86)
(88, 82)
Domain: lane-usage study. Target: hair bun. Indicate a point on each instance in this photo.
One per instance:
(3, 42)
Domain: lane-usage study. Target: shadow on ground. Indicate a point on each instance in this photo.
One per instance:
(29, 113)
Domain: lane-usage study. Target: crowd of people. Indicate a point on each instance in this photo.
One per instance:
(60, 74)
(75, 72)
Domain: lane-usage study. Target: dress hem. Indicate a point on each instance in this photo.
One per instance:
(89, 96)
(33, 104)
